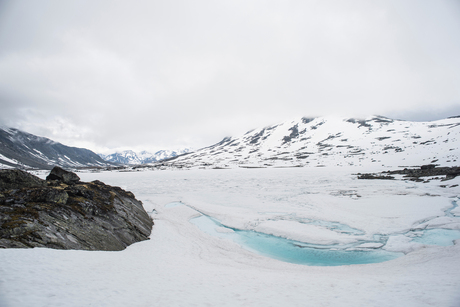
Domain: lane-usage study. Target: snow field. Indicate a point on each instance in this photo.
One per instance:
(182, 266)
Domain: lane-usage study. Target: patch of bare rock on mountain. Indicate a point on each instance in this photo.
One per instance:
(62, 212)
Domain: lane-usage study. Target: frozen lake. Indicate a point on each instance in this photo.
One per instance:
(185, 265)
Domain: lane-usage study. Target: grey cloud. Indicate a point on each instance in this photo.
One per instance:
(165, 74)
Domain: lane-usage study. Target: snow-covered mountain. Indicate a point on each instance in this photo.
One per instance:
(124, 157)
(334, 141)
(19, 149)
(132, 158)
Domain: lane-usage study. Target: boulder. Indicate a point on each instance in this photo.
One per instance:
(65, 213)
(62, 175)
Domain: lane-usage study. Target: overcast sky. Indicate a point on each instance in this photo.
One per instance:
(166, 74)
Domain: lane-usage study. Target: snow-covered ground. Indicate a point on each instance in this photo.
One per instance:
(181, 265)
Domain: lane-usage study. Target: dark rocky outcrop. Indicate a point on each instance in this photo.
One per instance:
(60, 174)
(294, 133)
(429, 170)
(16, 179)
(374, 176)
(64, 213)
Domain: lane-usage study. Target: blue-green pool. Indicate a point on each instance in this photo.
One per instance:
(290, 250)
(322, 255)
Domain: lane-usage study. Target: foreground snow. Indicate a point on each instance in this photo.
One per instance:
(183, 266)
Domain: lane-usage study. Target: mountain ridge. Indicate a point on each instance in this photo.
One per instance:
(304, 141)
(333, 141)
(20, 149)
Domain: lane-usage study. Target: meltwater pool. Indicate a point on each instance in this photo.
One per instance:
(290, 250)
(322, 255)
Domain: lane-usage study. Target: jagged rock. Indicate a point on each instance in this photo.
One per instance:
(60, 174)
(54, 214)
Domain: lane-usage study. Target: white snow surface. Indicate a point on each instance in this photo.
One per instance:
(182, 266)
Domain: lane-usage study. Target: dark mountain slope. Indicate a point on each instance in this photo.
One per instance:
(19, 149)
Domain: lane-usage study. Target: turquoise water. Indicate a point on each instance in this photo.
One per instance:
(296, 252)
(443, 237)
(290, 250)
(448, 212)
(317, 254)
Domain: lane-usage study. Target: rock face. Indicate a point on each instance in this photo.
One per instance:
(64, 213)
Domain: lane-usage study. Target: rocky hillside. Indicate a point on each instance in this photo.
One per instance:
(334, 141)
(19, 149)
(63, 213)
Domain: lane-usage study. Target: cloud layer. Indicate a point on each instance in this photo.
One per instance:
(168, 74)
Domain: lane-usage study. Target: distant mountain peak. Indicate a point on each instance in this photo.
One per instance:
(129, 157)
